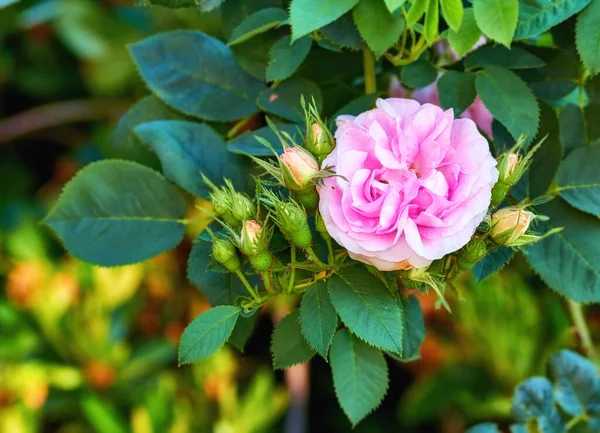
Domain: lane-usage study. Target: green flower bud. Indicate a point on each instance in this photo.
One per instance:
(507, 166)
(499, 192)
(509, 225)
(224, 252)
(293, 223)
(471, 253)
(220, 201)
(319, 140)
(299, 168)
(242, 207)
(262, 261)
(309, 198)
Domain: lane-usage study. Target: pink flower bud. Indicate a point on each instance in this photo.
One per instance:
(299, 168)
(508, 165)
(509, 224)
(251, 237)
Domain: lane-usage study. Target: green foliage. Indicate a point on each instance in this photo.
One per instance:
(357, 105)
(392, 5)
(102, 415)
(509, 100)
(360, 375)
(284, 100)
(286, 57)
(413, 326)
(588, 36)
(418, 74)
(453, 13)
(416, 11)
(432, 21)
(513, 58)
(465, 38)
(242, 331)
(371, 16)
(117, 212)
(207, 333)
(318, 318)
(344, 33)
(457, 90)
(367, 308)
(203, 5)
(188, 150)
(538, 16)
(197, 75)
(497, 19)
(548, 157)
(257, 23)
(288, 346)
(572, 128)
(579, 181)
(492, 263)
(534, 399)
(308, 15)
(248, 143)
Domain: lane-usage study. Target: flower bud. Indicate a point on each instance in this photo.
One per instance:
(225, 253)
(509, 224)
(309, 198)
(508, 166)
(251, 235)
(220, 201)
(299, 167)
(292, 221)
(319, 141)
(242, 207)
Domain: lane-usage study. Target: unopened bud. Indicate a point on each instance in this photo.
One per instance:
(499, 192)
(251, 235)
(242, 207)
(508, 165)
(225, 253)
(319, 141)
(308, 197)
(299, 167)
(471, 253)
(509, 224)
(292, 221)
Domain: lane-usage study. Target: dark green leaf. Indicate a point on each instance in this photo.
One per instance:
(247, 143)
(487, 427)
(432, 21)
(533, 400)
(509, 100)
(187, 150)
(497, 19)
(538, 16)
(579, 178)
(207, 333)
(413, 332)
(286, 57)
(467, 35)
(360, 375)
(288, 346)
(492, 263)
(118, 212)
(457, 90)
(572, 128)
(418, 74)
(257, 23)
(552, 91)
(513, 58)
(318, 318)
(588, 36)
(357, 105)
(548, 157)
(203, 5)
(285, 100)
(253, 55)
(453, 13)
(367, 308)
(242, 331)
(233, 12)
(416, 11)
(569, 261)
(344, 33)
(196, 74)
(378, 27)
(308, 15)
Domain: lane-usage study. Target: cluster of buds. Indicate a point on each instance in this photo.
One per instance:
(254, 242)
(291, 219)
(229, 205)
(318, 139)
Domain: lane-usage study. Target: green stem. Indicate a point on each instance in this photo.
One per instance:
(292, 269)
(246, 284)
(330, 258)
(576, 310)
(311, 255)
(369, 71)
(239, 125)
(267, 280)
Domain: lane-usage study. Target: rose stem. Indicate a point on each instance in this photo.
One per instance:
(330, 258)
(369, 71)
(576, 310)
(292, 269)
(267, 280)
(246, 284)
(311, 255)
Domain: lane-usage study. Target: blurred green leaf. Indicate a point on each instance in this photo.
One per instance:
(579, 180)
(102, 416)
(285, 100)
(258, 22)
(432, 21)
(288, 345)
(513, 58)
(418, 74)
(588, 36)
(377, 25)
(548, 157)
(308, 15)
(492, 263)
(416, 11)
(286, 57)
(413, 326)
(453, 13)
(572, 128)
(247, 143)
(463, 40)
(318, 319)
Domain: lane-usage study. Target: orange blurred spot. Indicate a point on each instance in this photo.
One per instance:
(34, 396)
(273, 97)
(24, 282)
(173, 332)
(100, 375)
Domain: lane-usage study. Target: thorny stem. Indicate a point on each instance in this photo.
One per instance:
(369, 71)
(311, 255)
(576, 310)
(246, 284)
(292, 269)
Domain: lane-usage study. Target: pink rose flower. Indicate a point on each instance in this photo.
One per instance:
(413, 184)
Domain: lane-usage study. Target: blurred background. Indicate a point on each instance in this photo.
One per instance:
(87, 349)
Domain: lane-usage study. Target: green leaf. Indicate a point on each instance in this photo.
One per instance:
(247, 143)
(318, 319)
(102, 415)
(572, 128)
(357, 105)
(233, 12)
(579, 179)
(568, 261)
(487, 427)
(432, 21)
(203, 5)
(344, 33)
(286, 57)
(367, 308)
(548, 157)
(509, 100)
(187, 150)
(242, 331)
(377, 25)
(360, 375)
(513, 58)
(197, 75)
(253, 55)
(533, 399)
(285, 100)
(257, 23)
(418, 74)
(392, 5)
(457, 91)
(492, 263)
(416, 11)
(538, 16)
(309, 15)
(577, 384)
(413, 329)
(207, 333)
(288, 346)
(453, 13)
(497, 19)
(463, 40)
(118, 212)
(588, 36)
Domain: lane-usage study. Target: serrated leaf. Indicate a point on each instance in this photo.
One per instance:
(572, 128)
(463, 40)
(233, 12)
(360, 375)
(367, 308)
(568, 261)
(378, 27)
(577, 383)
(207, 333)
(579, 180)
(533, 399)
(547, 158)
(509, 100)
(588, 36)
(432, 21)
(257, 23)
(253, 55)
(242, 331)
(457, 91)
(285, 100)
(118, 212)
(188, 150)
(288, 346)
(453, 13)
(513, 58)
(248, 143)
(196, 75)
(343, 32)
(318, 319)
(492, 263)
(308, 15)
(497, 19)
(538, 16)
(418, 74)
(413, 329)
(416, 11)
(286, 57)
(392, 5)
